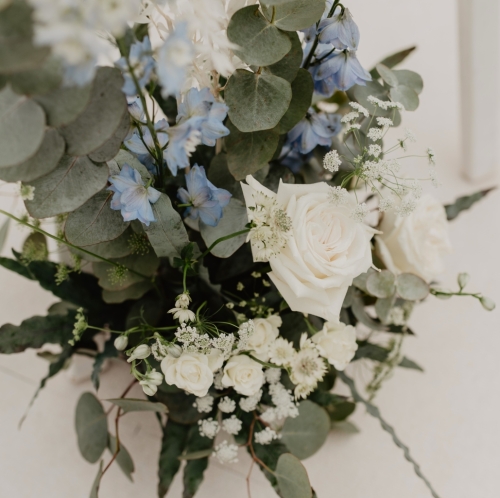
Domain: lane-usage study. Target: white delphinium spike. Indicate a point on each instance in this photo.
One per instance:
(232, 425)
(208, 427)
(332, 161)
(227, 405)
(358, 107)
(205, 404)
(266, 436)
(226, 453)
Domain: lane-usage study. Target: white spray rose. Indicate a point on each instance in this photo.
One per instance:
(190, 371)
(265, 333)
(325, 248)
(244, 374)
(337, 343)
(417, 243)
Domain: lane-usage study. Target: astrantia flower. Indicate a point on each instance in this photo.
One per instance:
(132, 197)
(281, 352)
(205, 199)
(340, 30)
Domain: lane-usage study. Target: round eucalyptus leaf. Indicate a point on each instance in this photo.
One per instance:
(293, 481)
(302, 92)
(22, 127)
(411, 287)
(41, 80)
(134, 292)
(259, 42)
(138, 405)
(410, 78)
(406, 96)
(219, 175)
(381, 284)
(94, 222)
(73, 182)
(257, 101)
(101, 118)
(304, 435)
(249, 152)
(382, 307)
(42, 163)
(295, 15)
(123, 459)
(387, 75)
(287, 67)
(91, 427)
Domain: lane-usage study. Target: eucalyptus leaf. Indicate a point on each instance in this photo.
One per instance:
(411, 287)
(74, 181)
(44, 161)
(195, 455)
(288, 66)
(410, 78)
(257, 101)
(247, 153)
(393, 60)
(293, 481)
(406, 96)
(233, 220)
(302, 92)
(407, 363)
(91, 427)
(167, 234)
(94, 492)
(363, 317)
(109, 351)
(383, 307)
(360, 280)
(102, 116)
(123, 459)
(94, 222)
(387, 75)
(381, 284)
(219, 175)
(464, 203)
(4, 231)
(135, 291)
(41, 80)
(295, 15)
(304, 435)
(259, 42)
(138, 405)
(22, 127)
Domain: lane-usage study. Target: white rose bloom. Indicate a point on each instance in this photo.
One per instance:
(417, 243)
(244, 374)
(337, 343)
(325, 248)
(191, 372)
(265, 333)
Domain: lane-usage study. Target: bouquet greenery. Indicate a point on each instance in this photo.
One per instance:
(232, 217)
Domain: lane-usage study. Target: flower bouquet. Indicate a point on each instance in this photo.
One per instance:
(233, 216)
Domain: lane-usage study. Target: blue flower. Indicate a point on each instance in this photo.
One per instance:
(315, 129)
(340, 30)
(142, 63)
(183, 140)
(132, 197)
(340, 70)
(206, 200)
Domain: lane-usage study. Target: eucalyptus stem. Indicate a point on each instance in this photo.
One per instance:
(222, 239)
(69, 244)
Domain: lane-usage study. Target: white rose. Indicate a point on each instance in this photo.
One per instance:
(190, 371)
(244, 374)
(265, 333)
(417, 243)
(324, 251)
(337, 343)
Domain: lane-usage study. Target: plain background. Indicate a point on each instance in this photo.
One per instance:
(448, 415)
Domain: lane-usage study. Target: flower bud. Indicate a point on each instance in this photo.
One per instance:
(140, 352)
(174, 350)
(154, 377)
(121, 342)
(149, 389)
(463, 279)
(182, 301)
(487, 303)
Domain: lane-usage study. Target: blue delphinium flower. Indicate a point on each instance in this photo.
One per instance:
(132, 197)
(205, 199)
(340, 30)
(183, 140)
(315, 129)
(142, 64)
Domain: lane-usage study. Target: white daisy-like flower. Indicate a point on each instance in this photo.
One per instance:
(281, 352)
(183, 315)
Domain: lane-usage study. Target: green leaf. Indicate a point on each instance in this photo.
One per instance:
(363, 317)
(381, 284)
(4, 231)
(44, 161)
(135, 291)
(35, 332)
(295, 15)
(233, 220)
(406, 96)
(288, 66)
(123, 459)
(74, 181)
(102, 117)
(22, 127)
(194, 469)
(465, 202)
(410, 78)
(43, 79)
(219, 174)
(383, 307)
(304, 435)
(302, 91)
(257, 101)
(173, 444)
(340, 411)
(91, 427)
(16, 266)
(94, 492)
(195, 455)
(387, 75)
(94, 222)
(393, 60)
(293, 481)
(64, 105)
(138, 405)
(411, 287)
(371, 351)
(259, 42)
(109, 351)
(167, 234)
(407, 363)
(179, 404)
(247, 153)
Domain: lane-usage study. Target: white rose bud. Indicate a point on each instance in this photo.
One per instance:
(244, 374)
(121, 342)
(337, 343)
(487, 303)
(140, 353)
(463, 280)
(174, 350)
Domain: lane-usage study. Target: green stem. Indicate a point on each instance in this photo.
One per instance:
(222, 239)
(184, 276)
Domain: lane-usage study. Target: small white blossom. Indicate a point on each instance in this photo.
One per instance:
(350, 116)
(273, 375)
(230, 306)
(406, 207)
(227, 405)
(218, 380)
(27, 192)
(183, 315)
(409, 135)
(121, 342)
(359, 213)
(374, 150)
(358, 107)
(226, 453)
(397, 316)
(375, 134)
(283, 401)
(433, 177)
(232, 425)
(431, 156)
(332, 161)
(256, 274)
(384, 122)
(377, 102)
(266, 436)
(249, 404)
(281, 352)
(140, 353)
(208, 427)
(205, 404)
(338, 196)
(352, 126)
(385, 204)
